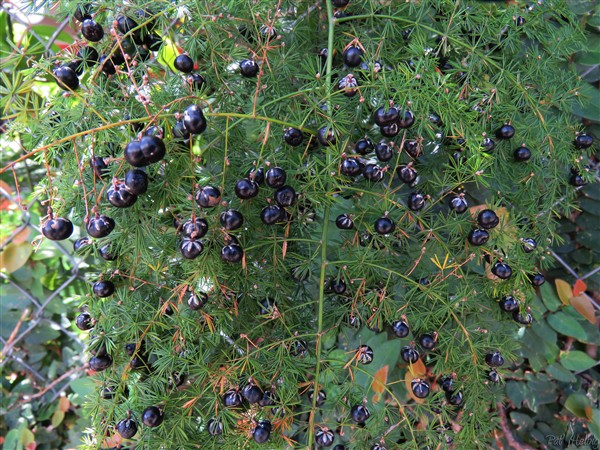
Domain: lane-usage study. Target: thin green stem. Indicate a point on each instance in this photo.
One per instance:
(311, 429)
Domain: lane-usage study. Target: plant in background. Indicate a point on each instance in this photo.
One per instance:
(312, 224)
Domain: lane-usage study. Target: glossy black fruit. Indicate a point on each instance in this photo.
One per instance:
(576, 180)
(383, 152)
(537, 279)
(384, 225)
(427, 341)
(324, 437)
(348, 85)
(406, 173)
(57, 229)
(447, 385)
(455, 398)
(373, 172)
(190, 248)
(529, 245)
(337, 286)
(494, 359)
(384, 116)
(196, 81)
(197, 300)
(272, 214)
(106, 252)
(523, 319)
(344, 222)
(100, 226)
(275, 177)
(119, 196)
(194, 120)
(493, 376)
(208, 197)
(326, 136)
(488, 145)
(390, 130)
(66, 78)
(293, 137)
(509, 304)
(153, 42)
(506, 131)
(232, 253)
(214, 427)
(412, 147)
(352, 56)
(416, 201)
(231, 219)
(285, 196)
(420, 388)
(268, 398)
(232, 398)
(99, 167)
(409, 354)
(458, 204)
(522, 154)
(91, 30)
(83, 12)
(406, 120)
(583, 141)
(364, 146)
(321, 397)
(184, 63)
(84, 321)
(435, 119)
(252, 393)
(136, 181)
(351, 167)
(359, 413)
(98, 363)
(194, 228)
(246, 188)
(478, 237)
(152, 416)
(502, 270)
(249, 68)
(262, 432)
(365, 354)
(107, 66)
(128, 25)
(400, 328)
(104, 288)
(127, 428)
(487, 219)
(81, 243)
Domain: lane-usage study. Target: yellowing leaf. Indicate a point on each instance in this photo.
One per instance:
(14, 256)
(583, 306)
(380, 379)
(579, 288)
(418, 369)
(564, 290)
(64, 404)
(57, 418)
(27, 437)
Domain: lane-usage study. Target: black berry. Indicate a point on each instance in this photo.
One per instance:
(416, 201)
(351, 167)
(66, 78)
(386, 116)
(478, 237)
(293, 137)
(373, 172)
(506, 131)
(190, 248)
(352, 56)
(363, 146)
(412, 147)
(494, 359)
(128, 25)
(508, 304)
(529, 245)
(91, 30)
(275, 177)
(365, 354)
(196, 81)
(231, 219)
(337, 286)
(272, 214)
(104, 288)
(344, 222)
(214, 427)
(406, 120)
(57, 229)
(400, 328)
(359, 413)
(458, 204)
(246, 188)
(100, 226)
(583, 141)
(321, 397)
(249, 68)
(488, 145)
(493, 376)
(98, 363)
(522, 154)
(195, 228)
(384, 225)
(324, 437)
(127, 428)
(232, 253)
(197, 300)
(232, 398)
(383, 152)
(420, 388)
(84, 321)
(152, 416)
(502, 270)
(119, 196)
(406, 173)
(427, 341)
(409, 354)
(252, 393)
(390, 130)
(326, 136)
(208, 197)
(262, 432)
(487, 219)
(184, 63)
(136, 181)
(285, 196)
(194, 120)
(537, 279)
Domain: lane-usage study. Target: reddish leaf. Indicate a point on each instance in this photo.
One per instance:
(583, 306)
(380, 379)
(579, 288)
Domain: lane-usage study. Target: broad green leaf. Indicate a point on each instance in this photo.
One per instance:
(559, 373)
(549, 297)
(576, 361)
(595, 423)
(567, 325)
(14, 256)
(579, 405)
